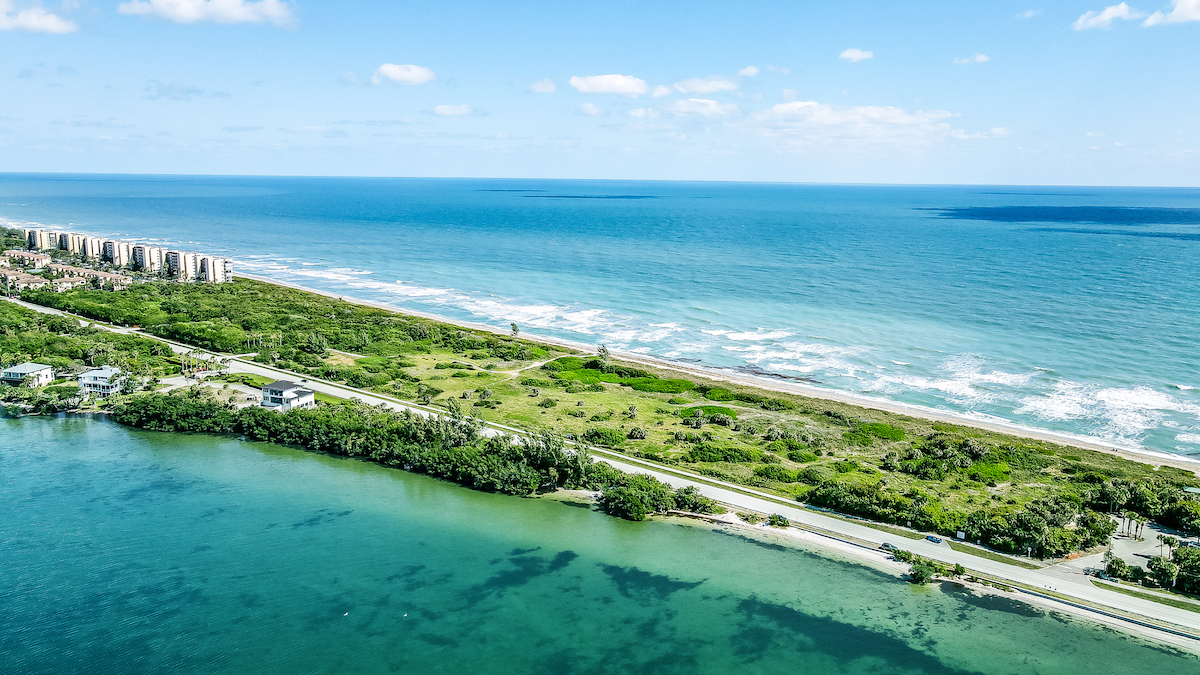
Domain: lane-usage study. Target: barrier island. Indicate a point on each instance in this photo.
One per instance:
(1010, 493)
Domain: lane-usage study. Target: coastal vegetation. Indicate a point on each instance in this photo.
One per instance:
(70, 348)
(449, 447)
(1008, 493)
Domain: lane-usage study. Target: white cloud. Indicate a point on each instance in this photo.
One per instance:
(703, 107)
(1029, 13)
(790, 95)
(33, 20)
(590, 109)
(1000, 132)
(545, 86)
(1182, 11)
(808, 123)
(217, 11)
(626, 85)
(452, 110)
(1103, 19)
(643, 113)
(854, 55)
(408, 75)
(748, 71)
(700, 85)
(661, 91)
(783, 70)
(978, 58)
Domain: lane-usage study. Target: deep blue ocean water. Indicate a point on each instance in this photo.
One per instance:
(1074, 310)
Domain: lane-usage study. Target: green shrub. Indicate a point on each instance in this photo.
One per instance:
(802, 456)
(718, 394)
(777, 520)
(609, 437)
(678, 401)
(636, 434)
(547, 403)
(672, 386)
(884, 431)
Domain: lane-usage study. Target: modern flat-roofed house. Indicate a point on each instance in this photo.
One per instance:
(39, 374)
(283, 396)
(103, 382)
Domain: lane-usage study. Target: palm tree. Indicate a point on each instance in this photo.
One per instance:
(1170, 543)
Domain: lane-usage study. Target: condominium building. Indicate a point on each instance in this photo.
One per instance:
(119, 253)
(183, 265)
(216, 270)
(41, 239)
(93, 248)
(149, 258)
(71, 242)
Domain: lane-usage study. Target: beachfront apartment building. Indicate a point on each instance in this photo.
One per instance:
(38, 374)
(149, 258)
(119, 253)
(283, 396)
(40, 240)
(216, 270)
(93, 248)
(183, 265)
(101, 382)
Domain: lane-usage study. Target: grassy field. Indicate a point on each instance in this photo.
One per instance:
(990, 555)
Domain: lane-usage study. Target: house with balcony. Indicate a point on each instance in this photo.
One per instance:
(282, 395)
(101, 382)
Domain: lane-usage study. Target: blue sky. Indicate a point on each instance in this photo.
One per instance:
(1076, 92)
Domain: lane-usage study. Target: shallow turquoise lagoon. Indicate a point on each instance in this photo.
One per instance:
(136, 552)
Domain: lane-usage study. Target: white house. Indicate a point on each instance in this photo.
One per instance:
(40, 375)
(102, 382)
(283, 396)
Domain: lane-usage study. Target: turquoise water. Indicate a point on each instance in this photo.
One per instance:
(1069, 309)
(135, 552)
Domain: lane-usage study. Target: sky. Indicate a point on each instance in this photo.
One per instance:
(1075, 92)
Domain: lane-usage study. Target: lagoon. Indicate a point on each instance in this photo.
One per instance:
(128, 551)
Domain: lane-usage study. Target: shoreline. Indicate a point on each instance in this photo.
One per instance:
(850, 553)
(1144, 456)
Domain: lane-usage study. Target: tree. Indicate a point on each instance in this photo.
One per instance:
(1163, 571)
(921, 572)
(515, 328)
(1168, 541)
(959, 570)
(604, 356)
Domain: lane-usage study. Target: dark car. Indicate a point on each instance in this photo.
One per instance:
(887, 547)
(934, 539)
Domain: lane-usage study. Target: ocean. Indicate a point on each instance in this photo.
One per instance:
(1070, 310)
(139, 552)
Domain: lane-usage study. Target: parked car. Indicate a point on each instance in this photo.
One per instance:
(887, 547)
(934, 539)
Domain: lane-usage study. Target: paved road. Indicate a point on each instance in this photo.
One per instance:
(1057, 579)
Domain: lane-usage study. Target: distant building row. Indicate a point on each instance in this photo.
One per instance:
(182, 265)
